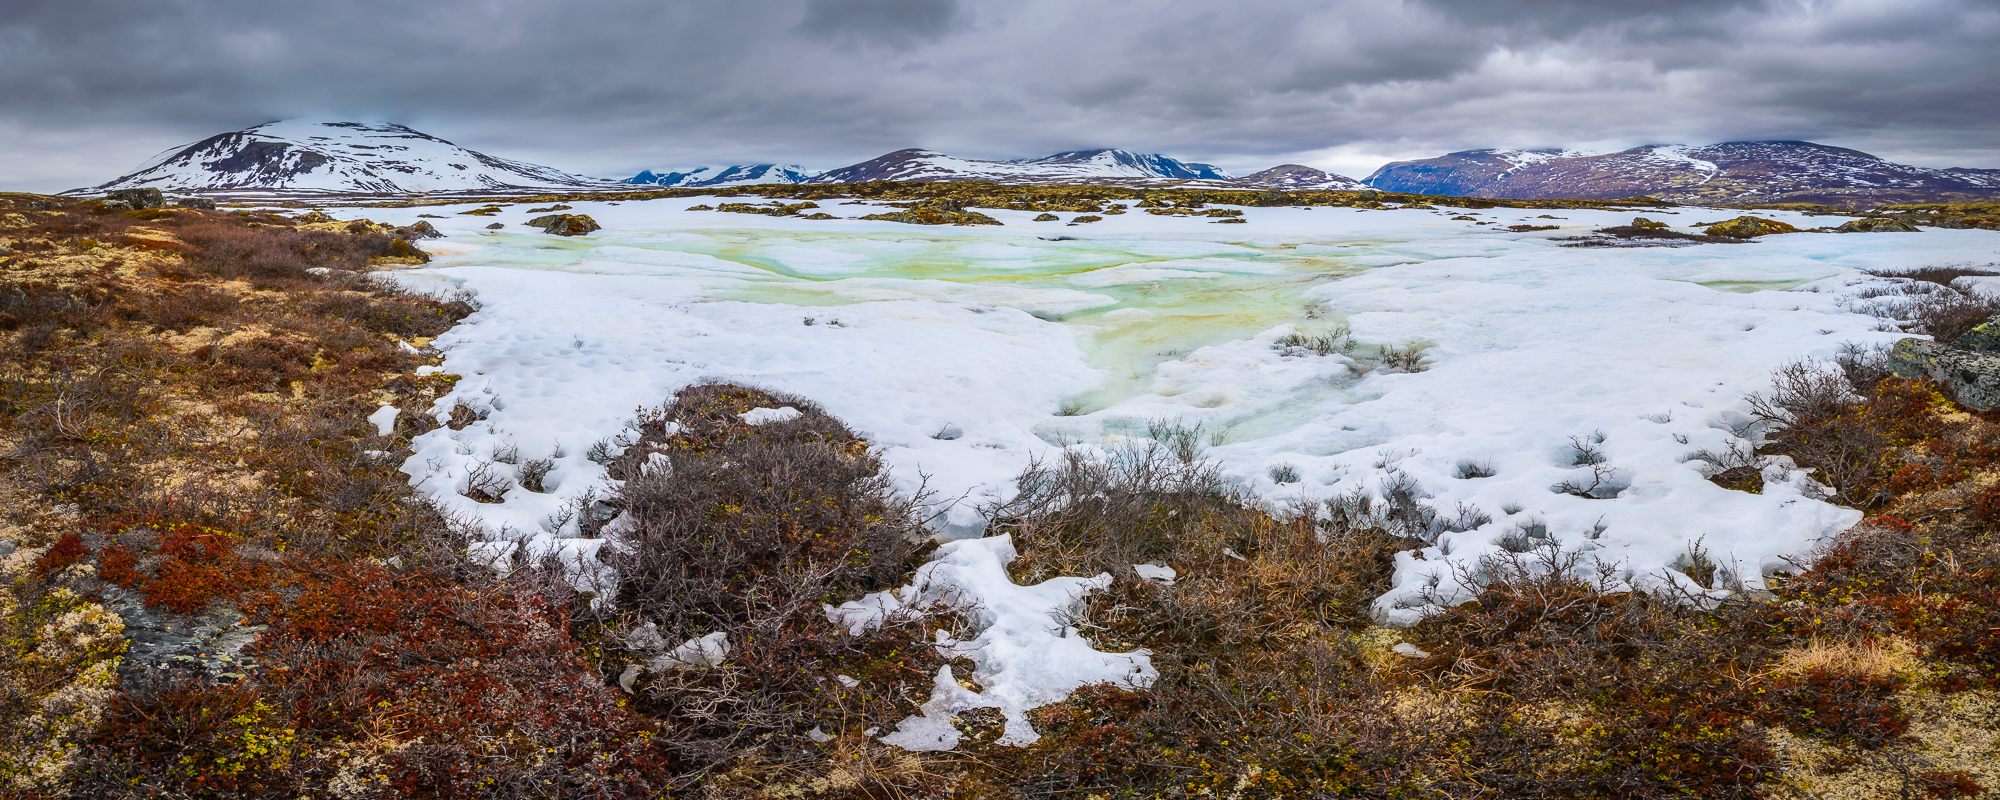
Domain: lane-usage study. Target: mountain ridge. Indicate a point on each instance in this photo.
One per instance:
(1765, 171)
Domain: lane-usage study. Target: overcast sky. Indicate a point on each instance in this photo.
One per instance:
(89, 89)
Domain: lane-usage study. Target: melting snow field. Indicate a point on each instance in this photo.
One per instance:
(963, 353)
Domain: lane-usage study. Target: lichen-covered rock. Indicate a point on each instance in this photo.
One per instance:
(1642, 222)
(1749, 228)
(565, 224)
(1876, 225)
(820, 215)
(148, 197)
(421, 230)
(1086, 219)
(112, 206)
(1972, 376)
(1047, 218)
(1984, 337)
(196, 202)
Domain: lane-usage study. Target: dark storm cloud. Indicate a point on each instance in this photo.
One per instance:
(89, 88)
(888, 22)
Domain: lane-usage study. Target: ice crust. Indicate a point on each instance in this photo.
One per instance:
(963, 353)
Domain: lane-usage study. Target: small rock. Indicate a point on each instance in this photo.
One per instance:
(1087, 218)
(496, 226)
(1047, 217)
(41, 205)
(629, 677)
(108, 206)
(820, 736)
(645, 638)
(1642, 222)
(196, 202)
(7, 547)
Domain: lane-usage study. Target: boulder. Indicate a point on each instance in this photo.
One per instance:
(1749, 228)
(1984, 337)
(421, 230)
(1046, 217)
(1972, 376)
(148, 197)
(41, 205)
(1642, 222)
(496, 226)
(1876, 225)
(196, 202)
(565, 224)
(108, 206)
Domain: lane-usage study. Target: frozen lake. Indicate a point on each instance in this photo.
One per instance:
(964, 352)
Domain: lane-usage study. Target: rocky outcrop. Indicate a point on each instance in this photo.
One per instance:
(565, 224)
(1876, 225)
(425, 230)
(1972, 376)
(941, 211)
(147, 197)
(1749, 228)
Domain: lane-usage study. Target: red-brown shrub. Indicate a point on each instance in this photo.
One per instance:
(67, 550)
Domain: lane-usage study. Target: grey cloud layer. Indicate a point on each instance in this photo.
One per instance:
(88, 88)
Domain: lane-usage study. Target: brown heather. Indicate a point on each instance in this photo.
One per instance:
(182, 398)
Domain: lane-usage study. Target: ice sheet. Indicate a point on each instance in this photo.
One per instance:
(964, 352)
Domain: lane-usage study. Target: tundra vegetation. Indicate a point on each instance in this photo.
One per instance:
(216, 584)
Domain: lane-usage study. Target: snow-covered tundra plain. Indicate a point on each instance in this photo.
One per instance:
(965, 353)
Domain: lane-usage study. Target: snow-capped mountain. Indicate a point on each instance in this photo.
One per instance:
(739, 175)
(339, 157)
(1777, 171)
(1299, 177)
(1081, 166)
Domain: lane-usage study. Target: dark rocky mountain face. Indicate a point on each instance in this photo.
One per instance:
(1731, 172)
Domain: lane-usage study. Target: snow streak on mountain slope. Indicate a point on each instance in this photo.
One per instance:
(340, 157)
(1727, 172)
(1082, 166)
(739, 175)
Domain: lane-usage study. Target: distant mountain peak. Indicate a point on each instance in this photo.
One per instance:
(338, 157)
(737, 175)
(1075, 166)
(1301, 178)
